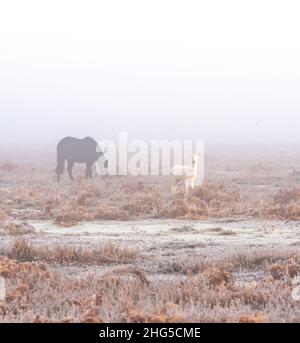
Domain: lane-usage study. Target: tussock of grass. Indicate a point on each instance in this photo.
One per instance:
(286, 204)
(106, 253)
(15, 229)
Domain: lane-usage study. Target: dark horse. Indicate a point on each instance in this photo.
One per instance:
(75, 150)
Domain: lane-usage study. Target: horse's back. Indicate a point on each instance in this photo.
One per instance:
(77, 149)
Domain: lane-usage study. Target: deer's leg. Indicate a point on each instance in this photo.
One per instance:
(193, 184)
(174, 185)
(187, 186)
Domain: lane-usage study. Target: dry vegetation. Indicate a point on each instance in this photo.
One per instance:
(22, 250)
(121, 198)
(214, 291)
(110, 281)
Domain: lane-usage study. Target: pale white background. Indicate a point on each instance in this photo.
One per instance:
(215, 70)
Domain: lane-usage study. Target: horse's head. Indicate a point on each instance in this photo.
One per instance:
(100, 154)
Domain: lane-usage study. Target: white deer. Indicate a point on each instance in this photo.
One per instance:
(186, 174)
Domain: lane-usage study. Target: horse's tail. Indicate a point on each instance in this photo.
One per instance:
(60, 163)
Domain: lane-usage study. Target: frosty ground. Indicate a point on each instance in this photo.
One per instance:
(123, 249)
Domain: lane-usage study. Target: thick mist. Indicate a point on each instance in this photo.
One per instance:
(225, 72)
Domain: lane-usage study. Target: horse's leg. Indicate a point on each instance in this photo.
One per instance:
(70, 168)
(60, 168)
(86, 171)
(59, 171)
(89, 171)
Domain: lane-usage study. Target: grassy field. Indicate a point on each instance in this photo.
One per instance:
(124, 249)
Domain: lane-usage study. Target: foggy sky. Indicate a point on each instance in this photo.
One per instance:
(215, 70)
